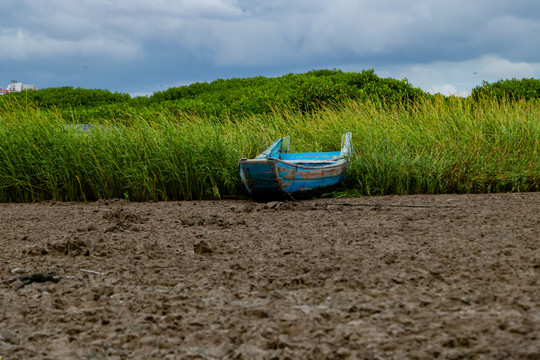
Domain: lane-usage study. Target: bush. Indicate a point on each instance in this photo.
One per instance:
(513, 89)
(303, 92)
(245, 97)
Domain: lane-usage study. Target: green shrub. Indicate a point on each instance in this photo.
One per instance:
(513, 89)
(67, 97)
(303, 92)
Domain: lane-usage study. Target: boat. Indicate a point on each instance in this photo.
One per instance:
(279, 174)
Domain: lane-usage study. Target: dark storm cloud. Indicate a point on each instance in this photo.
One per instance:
(130, 44)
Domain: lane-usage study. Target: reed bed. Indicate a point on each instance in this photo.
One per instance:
(438, 145)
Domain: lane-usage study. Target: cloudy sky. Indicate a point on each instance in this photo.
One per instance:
(142, 46)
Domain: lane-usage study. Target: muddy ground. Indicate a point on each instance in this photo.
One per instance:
(415, 277)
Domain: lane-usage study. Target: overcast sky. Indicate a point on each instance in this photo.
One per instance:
(143, 46)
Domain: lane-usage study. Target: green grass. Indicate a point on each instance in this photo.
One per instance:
(438, 145)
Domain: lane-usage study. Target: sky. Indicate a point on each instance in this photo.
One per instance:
(143, 46)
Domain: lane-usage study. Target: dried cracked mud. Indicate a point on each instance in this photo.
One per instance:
(394, 277)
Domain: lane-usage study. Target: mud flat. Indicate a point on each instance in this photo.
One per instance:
(446, 276)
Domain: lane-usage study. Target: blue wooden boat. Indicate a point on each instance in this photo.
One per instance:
(276, 173)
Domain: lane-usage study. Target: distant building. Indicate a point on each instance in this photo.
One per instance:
(16, 86)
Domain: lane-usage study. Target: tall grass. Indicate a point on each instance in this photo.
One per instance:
(438, 145)
(448, 145)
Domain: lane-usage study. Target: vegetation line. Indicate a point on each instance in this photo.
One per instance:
(158, 148)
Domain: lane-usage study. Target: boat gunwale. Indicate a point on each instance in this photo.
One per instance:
(337, 163)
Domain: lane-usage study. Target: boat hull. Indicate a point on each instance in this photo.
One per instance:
(276, 173)
(274, 178)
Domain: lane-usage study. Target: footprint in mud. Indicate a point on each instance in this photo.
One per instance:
(123, 216)
(73, 247)
(202, 248)
(123, 220)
